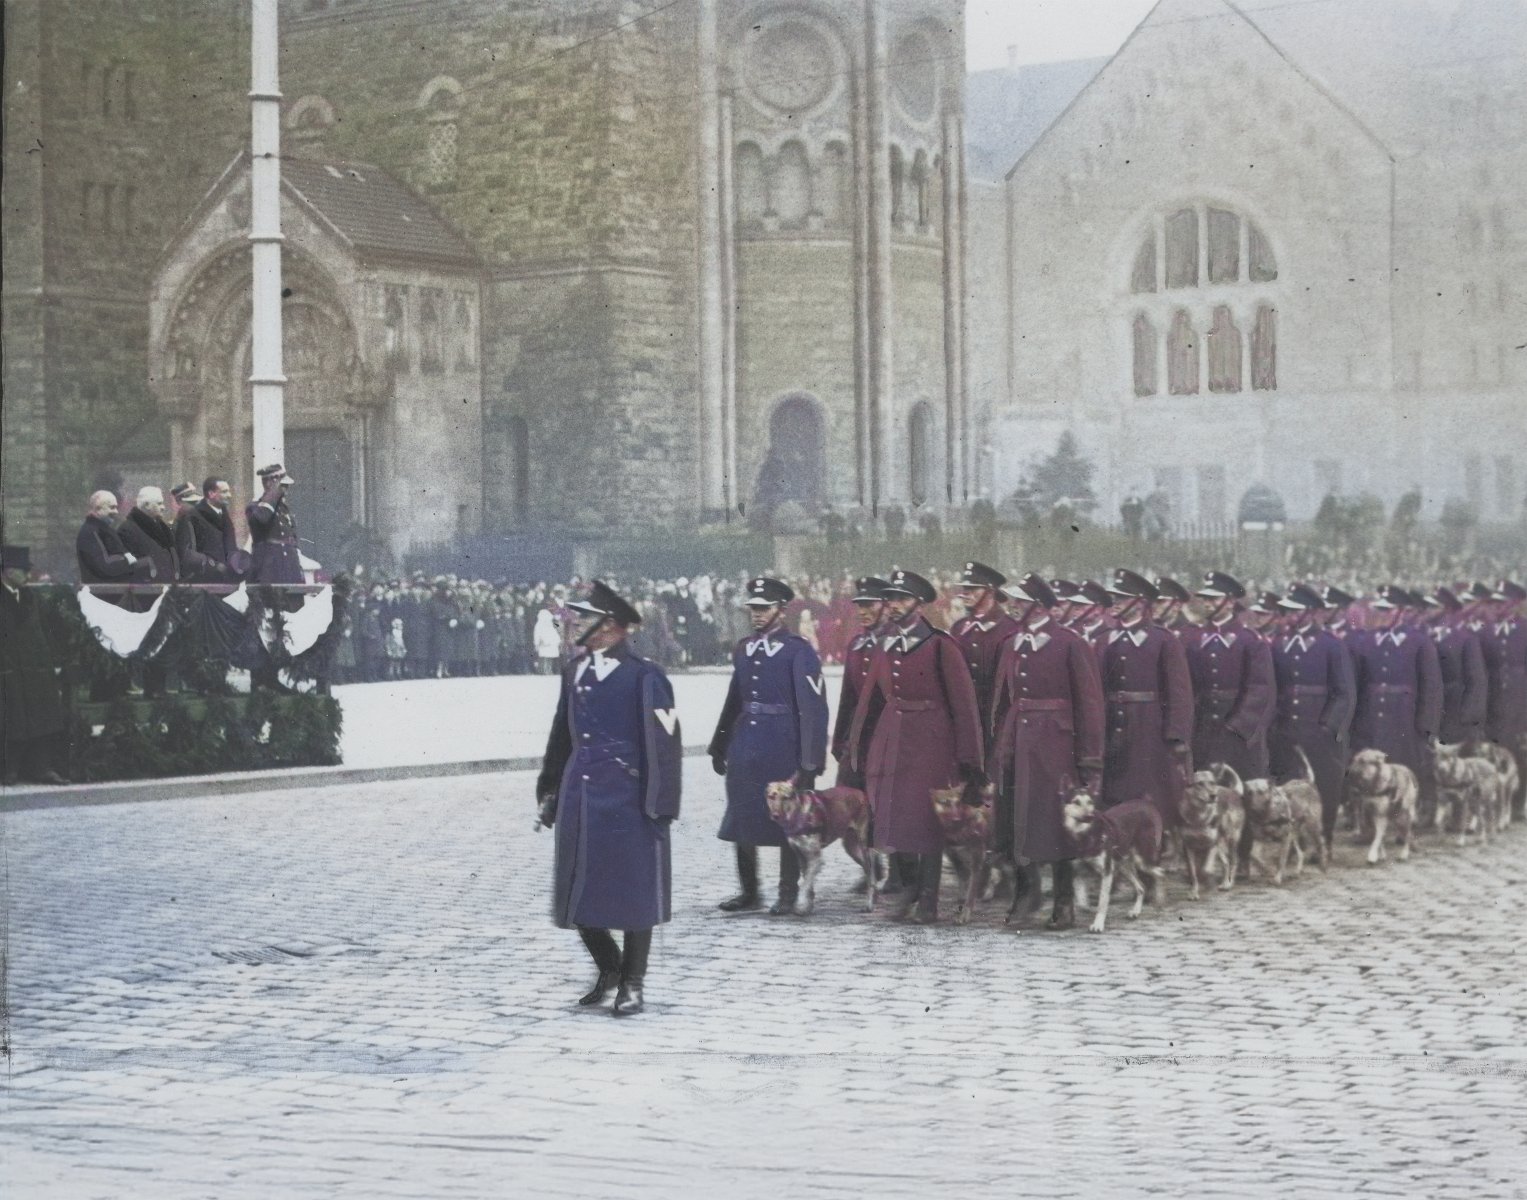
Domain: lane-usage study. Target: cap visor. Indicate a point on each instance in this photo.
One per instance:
(760, 602)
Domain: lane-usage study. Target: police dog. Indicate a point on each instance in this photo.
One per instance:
(1124, 840)
(1505, 765)
(813, 820)
(1383, 791)
(1212, 818)
(967, 837)
(1470, 793)
(1269, 818)
(1304, 805)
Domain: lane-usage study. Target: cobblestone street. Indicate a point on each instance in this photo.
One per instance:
(356, 991)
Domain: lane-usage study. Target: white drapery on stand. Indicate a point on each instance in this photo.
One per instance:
(117, 629)
(303, 627)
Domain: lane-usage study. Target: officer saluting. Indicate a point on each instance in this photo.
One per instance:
(273, 531)
(611, 781)
(773, 727)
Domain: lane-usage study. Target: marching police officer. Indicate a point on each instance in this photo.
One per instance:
(1150, 704)
(869, 608)
(1461, 660)
(1169, 605)
(1399, 685)
(1316, 697)
(772, 728)
(610, 781)
(1047, 716)
(983, 631)
(1232, 672)
(916, 727)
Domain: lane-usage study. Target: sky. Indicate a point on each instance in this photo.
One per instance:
(1047, 30)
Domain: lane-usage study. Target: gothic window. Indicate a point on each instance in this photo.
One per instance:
(308, 125)
(1182, 356)
(1224, 353)
(1262, 268)
(394, 326)
(834, 195)
(441, 103)
(898, 186)
(1143, 277)
(1224, 246)
(920, 466)
(1182, 249)
(920, 197)
(466, 336)
(792, 186)
(1145, 356)
(1264, 349)
(431, 335)
(752, 185)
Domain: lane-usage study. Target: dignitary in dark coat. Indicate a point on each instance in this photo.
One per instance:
(610, 783)
(1399, 685)
(983, 631)
(205, 538)
(916, 727)
(1150, 705)
(1461, 660)
(869, 610)
(32, 716)
(147, 534)
(1047, 715)
(103, 558)
(1316, 698)
(1232, 671)
(773, 728)
(273, 531)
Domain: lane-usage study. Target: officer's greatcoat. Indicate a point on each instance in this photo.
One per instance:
(1316, 696)
(273, 540)
(1233, 691)
(915, 725)
(1465, 683)
(856, 671)
(1150, 714)
(1399, 693)
(615, 760)
(773, 725)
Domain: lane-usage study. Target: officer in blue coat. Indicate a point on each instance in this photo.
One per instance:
(773, 728)
(610, 782)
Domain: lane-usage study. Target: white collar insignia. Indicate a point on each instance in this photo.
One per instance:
(668, 718)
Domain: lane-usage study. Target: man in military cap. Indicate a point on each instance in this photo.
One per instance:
(1461, 660)
(273, 531)
(610, 785)
(1266, 615)
(773, 728)
(1169, 605)
(1096, 622)
(1232, 672)
(1503, 641)
(1069, 602)
(982, 631)
(916, 727)
(1150, 704)
(1399, 685)
(1334, 615)
(1047, 714)
(33, 720)
(1316, 697)
(869, 609)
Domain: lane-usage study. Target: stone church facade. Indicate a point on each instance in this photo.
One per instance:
(566, 268)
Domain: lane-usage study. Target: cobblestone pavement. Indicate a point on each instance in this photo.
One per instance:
(355, 991)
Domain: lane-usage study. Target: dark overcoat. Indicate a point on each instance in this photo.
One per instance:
(773, 724)
(1399, 694)
(1048, 715)
(1465, 683)
(981, 641)
(856, 669)
(1233, 695)
(1316, 697)
(615, 759)
(102, 557)
(1504, 644)
(916, 724)
(273, 540)
(31, 701)
(151, 537)
(1150, 714)
(207, 544)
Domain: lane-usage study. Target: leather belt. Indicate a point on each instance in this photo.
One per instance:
(913, 705)
(766, 710)
(1221, 694)
(1131, 697)
(1308, 689)
(1403, 689)
(1043, 705)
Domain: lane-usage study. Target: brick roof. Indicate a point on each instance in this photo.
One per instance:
(374, 212)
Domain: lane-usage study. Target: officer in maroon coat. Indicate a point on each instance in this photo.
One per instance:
(983, 631)
(1399, 684)
(1047, 714)
(1460, 658)
(869, 610)
(1150, 705)
(1232, 672)
(916, 727)
(1316, 696)
(1168, 607)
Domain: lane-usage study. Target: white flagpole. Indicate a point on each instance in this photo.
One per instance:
(267, 378)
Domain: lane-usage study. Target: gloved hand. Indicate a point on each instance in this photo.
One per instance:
(1092, 781)
(546, 815)
(972, 775)
(718, 764)
(803, 781)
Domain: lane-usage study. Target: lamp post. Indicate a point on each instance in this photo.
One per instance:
(267, 379)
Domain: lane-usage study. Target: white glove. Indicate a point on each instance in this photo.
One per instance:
(131, 558)
(453, 623)
(480, 625)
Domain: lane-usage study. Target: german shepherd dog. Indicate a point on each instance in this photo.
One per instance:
(1212, 818)
(1123, 840)
(1383, 792)
(967, 837)
(814, 820)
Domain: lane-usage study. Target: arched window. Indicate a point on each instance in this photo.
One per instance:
(393, 325)
(465, 333)
(1182, 356)
(920, 453)
(1145, 356)
(834, 193)
(752, 185)
(431, 336)
(1224, 353)
(792, 186)
(1205, 249)
(898, 186)
(308, 123)
(922, 210)
(440, 101)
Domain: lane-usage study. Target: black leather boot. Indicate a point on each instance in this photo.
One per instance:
(1027, 896)
(930, 872)
(789, 882)
(747, 872)
(633, 970)
(606, 955)
(1063, 915)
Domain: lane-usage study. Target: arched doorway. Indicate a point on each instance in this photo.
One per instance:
(795, 467)
(921, 465)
